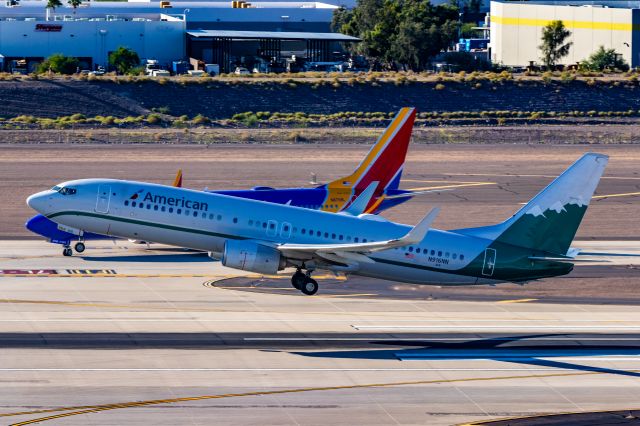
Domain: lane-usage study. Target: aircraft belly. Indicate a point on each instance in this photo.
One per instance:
(414, 276)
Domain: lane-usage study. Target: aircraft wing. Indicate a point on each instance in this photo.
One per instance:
(356, 251)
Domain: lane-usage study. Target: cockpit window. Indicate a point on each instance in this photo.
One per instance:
(64, 191)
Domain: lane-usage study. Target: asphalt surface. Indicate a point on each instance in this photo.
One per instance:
(129, 335)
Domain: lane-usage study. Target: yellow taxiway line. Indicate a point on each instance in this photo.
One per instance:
(79, 410)
(517, 301)
(626, 194)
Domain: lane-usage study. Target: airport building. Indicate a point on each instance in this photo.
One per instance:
(516, 29)
(225, 34)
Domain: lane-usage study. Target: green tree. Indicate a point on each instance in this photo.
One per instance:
(60, 64)
(408, 32)
(124, 59)
(52, 4)
(553, 45)
(74, 4)
(605, 59)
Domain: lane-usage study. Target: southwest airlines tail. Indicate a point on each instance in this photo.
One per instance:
(382, 164)
(549, 221)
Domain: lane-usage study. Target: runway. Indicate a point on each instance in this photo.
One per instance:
(164, 342)
(126, 334)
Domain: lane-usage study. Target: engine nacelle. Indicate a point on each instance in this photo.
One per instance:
(250, 256)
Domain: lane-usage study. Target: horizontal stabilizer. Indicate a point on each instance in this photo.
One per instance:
(413, 194)
(359, 205)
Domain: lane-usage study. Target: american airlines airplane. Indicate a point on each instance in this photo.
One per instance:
(265, 238)
(383, 164)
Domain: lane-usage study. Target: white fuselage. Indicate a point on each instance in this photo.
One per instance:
(204, 221)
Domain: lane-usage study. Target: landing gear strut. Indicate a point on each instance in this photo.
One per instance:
(304, 282)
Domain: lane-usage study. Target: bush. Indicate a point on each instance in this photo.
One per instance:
(124, 59)
(154, 119)
(200, 120)
(59, 64)
(439, 87)
(605, 59)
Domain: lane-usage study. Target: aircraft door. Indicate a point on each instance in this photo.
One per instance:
(489, 262)
(104, 196)
(285, 230)
(272, 228)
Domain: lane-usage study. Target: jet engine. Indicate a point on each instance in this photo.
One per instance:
(250, 256)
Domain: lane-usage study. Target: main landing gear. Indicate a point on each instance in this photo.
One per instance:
(304, 282)
(79, 247)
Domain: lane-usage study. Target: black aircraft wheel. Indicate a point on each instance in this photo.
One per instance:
(310, 287)
(79, 247)
(67, 251)
(297, 280)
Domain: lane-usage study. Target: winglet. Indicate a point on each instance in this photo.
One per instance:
(177, 182)
(419, 231)
(359, 205)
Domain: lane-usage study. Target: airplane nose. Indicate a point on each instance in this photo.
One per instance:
(37, 201)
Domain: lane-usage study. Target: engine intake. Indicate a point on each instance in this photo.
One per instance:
(250, 256)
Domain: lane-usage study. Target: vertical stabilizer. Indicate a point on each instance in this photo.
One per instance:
(383, 164)
(549, 221)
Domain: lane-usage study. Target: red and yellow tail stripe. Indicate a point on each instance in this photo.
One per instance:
(382, 164)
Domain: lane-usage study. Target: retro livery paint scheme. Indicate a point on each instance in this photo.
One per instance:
(383, 164)
(263, 237)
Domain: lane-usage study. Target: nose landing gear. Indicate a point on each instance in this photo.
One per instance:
(304, 282)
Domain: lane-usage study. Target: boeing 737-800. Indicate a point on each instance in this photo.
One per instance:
(383, 164)
(265, 238)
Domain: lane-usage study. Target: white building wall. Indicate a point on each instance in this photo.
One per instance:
(161, 40)
(516, 31)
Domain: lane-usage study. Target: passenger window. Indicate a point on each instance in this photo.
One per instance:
(340, 237)
(210, 216)
(251, 223)
(455, 256)
(418, 250)
(410, 249)
(446, 255)
(439, 254)
(155, 207)
(356, 239)
(170, 209)
(364, 240)
(133, 204)
(219, 217)
(326, 235)
(348, 238)
(126, 202)
(163, 208)
(235, 220)
(333, 236)
(303, 231)
(195, 214)
(148, 206)
(433, 252)
(141, 205)
(272, 226)
(178, 211)
(462, 257)
(264, 225)
(319, 233)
